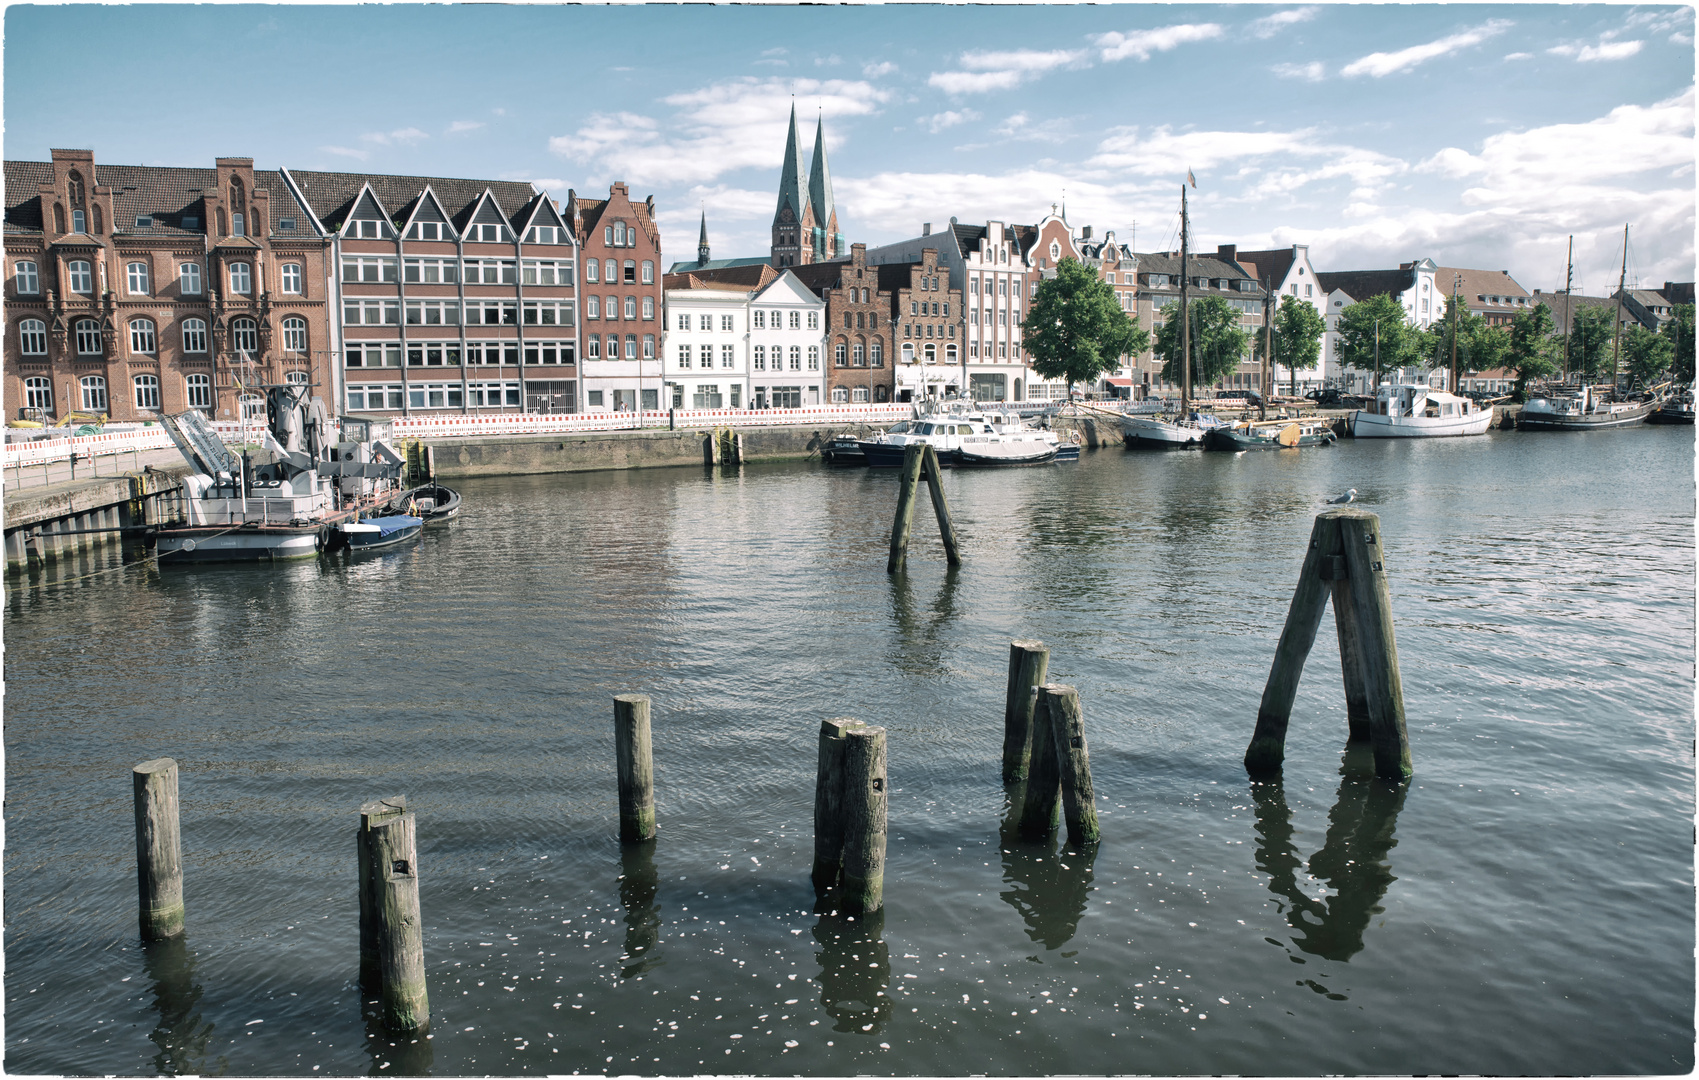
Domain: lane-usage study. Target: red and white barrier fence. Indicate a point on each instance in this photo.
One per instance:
(84, 446)
(515, 424)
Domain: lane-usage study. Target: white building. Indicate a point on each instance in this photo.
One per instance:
(1288, 272)
(756, 343)
(1412, 285)
(787, 339)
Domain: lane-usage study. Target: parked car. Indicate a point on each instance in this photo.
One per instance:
(1248, 396)
(1327, 398)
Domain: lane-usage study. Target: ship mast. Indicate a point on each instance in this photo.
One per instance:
(1568, 302)
(1456, 386)
(1185, 322)
(1616, 338)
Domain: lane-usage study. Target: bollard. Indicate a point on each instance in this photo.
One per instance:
(1029, 663)
(865, 800)
(636, 768)
(159, 850)
(1345, 559)
(829, 801)
(1067, 727)
(392, 946)
(1044, 776)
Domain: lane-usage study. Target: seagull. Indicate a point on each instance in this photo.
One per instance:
(1349, 496)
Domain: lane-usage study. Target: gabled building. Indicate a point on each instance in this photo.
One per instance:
(454, 295)
(743, 337)
(1285, 272)
(1159, 297)
(859, 346)
(1117, 266)
(1492, 294)
(1412, 285)
(925, 314)
(133, 290)
(621, 246)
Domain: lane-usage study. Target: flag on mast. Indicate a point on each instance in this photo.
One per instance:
(1190, 179)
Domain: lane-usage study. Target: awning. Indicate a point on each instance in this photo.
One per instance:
(1119, 382)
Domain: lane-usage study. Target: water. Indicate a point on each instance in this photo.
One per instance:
(1525, 904)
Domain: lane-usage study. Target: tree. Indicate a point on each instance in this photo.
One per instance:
(1075, 328)
(1647, 354)
(1400, 344)
(1533, 353)
(1590, 334)
(1480, 345)
(1298, 328)
(1680, 332)
(1218, 343)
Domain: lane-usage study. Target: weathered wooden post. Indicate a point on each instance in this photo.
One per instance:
(1029, 664)
(159, 849)
(1044, 776)
(1345, 558)
(1067, 727)
(865, 800)
(913, 455)
(829, 801)
(941, 508)
(392, 946)
(636, 768)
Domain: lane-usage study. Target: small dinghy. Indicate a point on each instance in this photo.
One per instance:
(433, 503)
(375, 534)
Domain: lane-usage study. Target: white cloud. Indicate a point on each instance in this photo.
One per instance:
(950, 118)
(1270, 25)
(1381, 64)
(1605, 50)
(1140, 44)
(974, 82)
(1519, 56)
(344, 151)
(401, 136)
(779, 51)
(1024, 60)
(828, 61)
(1021, 127)
(904, 200)
(461, 126)
(882, 68)
(1261, 162)
(1314, 71)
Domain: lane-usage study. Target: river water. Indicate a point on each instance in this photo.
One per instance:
(1525, 904)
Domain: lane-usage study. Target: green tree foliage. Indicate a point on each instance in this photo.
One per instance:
(1679, 330)
(1218, 343)
(1480, 345)
(1533, 353)
(1590, 334)
(1646, 354)
(1075, 328)
(1298, 328)
(1401, 345)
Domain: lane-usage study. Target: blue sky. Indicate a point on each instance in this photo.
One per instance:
(1473, 135)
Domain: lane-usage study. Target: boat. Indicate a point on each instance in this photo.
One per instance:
(1183, 429)
(374, 534)
(1676, 409)
(991, 454)
(1015, 423)
(285, 507)
(1270, 435)
(432, 503)
(950, 429)
(1590, 409)
(843, 451)
(1409, 411)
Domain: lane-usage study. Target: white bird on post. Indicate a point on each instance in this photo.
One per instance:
(1349, 496)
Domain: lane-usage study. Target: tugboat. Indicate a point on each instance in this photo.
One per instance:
(1589, 410)
(291, 506)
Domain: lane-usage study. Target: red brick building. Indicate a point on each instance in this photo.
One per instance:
(622, 304)
(860, 365)
(926, 313)
(133, 290)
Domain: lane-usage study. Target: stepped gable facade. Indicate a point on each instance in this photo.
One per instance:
(859, 363)
(453, 295)
(925, 314)
(623, 298)
(133, 290)
(805, 221)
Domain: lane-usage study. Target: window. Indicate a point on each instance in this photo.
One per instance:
(593, 308)
(814, 358)
(292, 278)
(244, 336)
(593, 347)
(199, 388)
(189, 279)
(814, 320)
(610, 310)
(684, 357)
(728, 356)
(619, 234)
(241, 279)
(726, 322)
(648, 346)
(492, 234)
(38, 393)
(147, 391)
(760, 360)
(796, 357)
(592, 270)
(840, 395)
(684, 322)
(648, 272)
(705, 322)
(25, 279)
(253, 406)
(81, 275)
(760, 319)
(648, 307)
(94, 393)
(860, 353)
(88, 337)
(908, 352)
(611, 272)
(631, 307)
(840, 354)
(79, 221)
(295, 334)
(796, 320)
(707, 397)
(142, 338)
(32, 337)
(859, 395)
(194, 336)
(630, 272)
(631, 346)
(136, 278)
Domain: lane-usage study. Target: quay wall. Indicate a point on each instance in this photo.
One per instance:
(508, 455)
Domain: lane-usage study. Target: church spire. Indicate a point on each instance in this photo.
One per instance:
(790, 180)
(702, 243)
(820, 196)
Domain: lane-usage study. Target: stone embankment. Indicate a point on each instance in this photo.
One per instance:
(506, 455)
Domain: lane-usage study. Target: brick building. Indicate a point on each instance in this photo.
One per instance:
(860, 365)
(805, 223)
(1159, 296)
(133, 290)
(623, 320)
(925, 314)
(454, 295)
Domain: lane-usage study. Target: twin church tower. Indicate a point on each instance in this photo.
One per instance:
(805, 224)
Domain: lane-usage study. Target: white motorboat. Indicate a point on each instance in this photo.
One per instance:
(1408, 411)
(957, 429)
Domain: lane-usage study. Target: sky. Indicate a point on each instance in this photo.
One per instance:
(1475, 135)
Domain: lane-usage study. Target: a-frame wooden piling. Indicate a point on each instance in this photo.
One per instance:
(916, 457)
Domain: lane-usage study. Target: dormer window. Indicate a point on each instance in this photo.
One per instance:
(490, 234)
(427, 230)
(366, 230)
(286, 224)
(144, 221)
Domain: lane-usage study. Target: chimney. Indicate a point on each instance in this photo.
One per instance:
(1085, 232)
(858, 253)
(1227, 252)
(926, 229)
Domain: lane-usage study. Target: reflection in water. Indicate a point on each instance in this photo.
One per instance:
(919, 650)
(855, 971)
(395, 1055)
(1351, 863)
(1049, 887)
(181, 1034)
(637, 887)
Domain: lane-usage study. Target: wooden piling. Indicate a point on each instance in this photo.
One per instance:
(1350, 662)
(1309, 600)
(159, 849)
(636, 768)
(913, 455)
(1067, 728)
(865, 800)
(1044, 775)
(829, 801)
(946, 527)
(392, 947)
(1374, 642)
(1029, 664)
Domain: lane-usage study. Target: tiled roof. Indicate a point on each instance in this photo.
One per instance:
(748, 276)
(1270, 266)
(331, 194)
(165, 194)
(692, 266)
(23, 202)
(1168, 262)
(591, 210)
(1475, 284)
(1365, 284)
(820, 276)
(1562, 305)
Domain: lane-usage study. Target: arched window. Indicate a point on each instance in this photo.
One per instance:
(25, 280)
(297, 378)
(931, 353)
(142, 337)
(94, 393)
(79, 221)
(99, 227)
(194, 335)
(619, 234)
(241, 279)
(648, 272)
(878, 357)
(294, 334)
(88, 337)
(81, 276)
(32, 337)
(147, 391)
(840, 354)
(199, 389)
(237, 208)
(189, 279)
(244, 336)
(58, 218)
(949, 353)
(136, 277)
(840, 395)
(859, 354)
(881, 394)
(38, 393)
(74, 188)
(908, 352)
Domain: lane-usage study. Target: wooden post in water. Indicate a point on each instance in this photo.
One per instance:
(1067, 728)
(392, 946)
(941, 508)
(1044, 776)
(636, 768)
(865, 800)
(159, 849)
(829, 807)
(1345, 558)
(1029, 664)
(912, 457)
